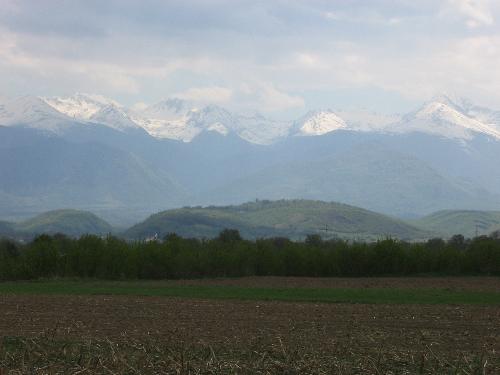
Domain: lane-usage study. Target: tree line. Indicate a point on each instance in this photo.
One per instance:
(229, 255)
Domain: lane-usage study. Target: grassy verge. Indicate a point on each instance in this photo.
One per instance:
(333, 295)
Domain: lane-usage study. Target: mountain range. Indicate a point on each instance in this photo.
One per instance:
(90, 152)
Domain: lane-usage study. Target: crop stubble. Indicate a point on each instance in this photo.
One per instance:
(216, 336)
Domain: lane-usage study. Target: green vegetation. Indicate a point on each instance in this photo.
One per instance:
(229, 255)
(331, 295)
(294, 219)
(69, 222)
(72, 223)
(464, 222)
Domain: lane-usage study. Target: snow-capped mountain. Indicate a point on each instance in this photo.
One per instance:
(376, 161)
(318, 123)
(259, 129)
(367, 121)
(444, 117)
(80, 106)
(114, 117)
(484, 115)
(33, 112)
(177, 119)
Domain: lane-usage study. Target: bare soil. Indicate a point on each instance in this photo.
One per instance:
(126, 334)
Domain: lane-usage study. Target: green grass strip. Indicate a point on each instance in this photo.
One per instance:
(328, 295)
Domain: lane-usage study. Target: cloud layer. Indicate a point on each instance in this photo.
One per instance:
(276, 57)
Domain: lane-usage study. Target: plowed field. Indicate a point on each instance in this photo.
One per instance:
(129, 334)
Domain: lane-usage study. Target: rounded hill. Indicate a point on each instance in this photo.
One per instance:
(70, 222)
(466, 222)
(290, 218)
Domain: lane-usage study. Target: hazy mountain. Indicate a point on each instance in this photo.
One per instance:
(368, 175)
(114, 117)
(442, 117)
(33, 112)
(6, 229)
(40, 172)
(290, 218)
(318, 123)
(469, 223)
(69, 222)
(178, 119)
(90, 152)
(80, 106)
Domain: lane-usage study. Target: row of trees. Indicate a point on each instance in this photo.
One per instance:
(229, 256)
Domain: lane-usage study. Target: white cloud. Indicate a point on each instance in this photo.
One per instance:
(246, 96)
(267, 60)
(139, 106)
(476, 12)
(267, 98)
(215, 94)
(274, 100)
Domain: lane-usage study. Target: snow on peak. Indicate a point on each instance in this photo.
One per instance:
(444, 118)
(31, 111)
(319, 123)
(212, 118)
(451, 100)
(80, 106)
(367, 121)
(114, 117)
(218, 128)
(445, 115)
(260, 130)
(175, 119)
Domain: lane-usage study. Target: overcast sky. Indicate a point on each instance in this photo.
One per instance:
(276, 57)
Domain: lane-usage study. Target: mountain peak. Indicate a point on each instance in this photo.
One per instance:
(30, 111)
(319, 123)
(454, 101)
(448, 117)
(114, 117)
(445, 115)
(80, 106)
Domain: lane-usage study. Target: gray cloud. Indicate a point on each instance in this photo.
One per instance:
(277, 56)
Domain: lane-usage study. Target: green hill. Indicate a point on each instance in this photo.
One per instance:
(69, 222)
(291, 218)
(465, 222)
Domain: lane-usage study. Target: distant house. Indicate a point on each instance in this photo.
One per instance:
(152, 238)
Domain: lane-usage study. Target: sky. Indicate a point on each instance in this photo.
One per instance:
(280, 58)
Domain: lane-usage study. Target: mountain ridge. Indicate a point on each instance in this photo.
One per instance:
(181, 120)
(111, 165)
